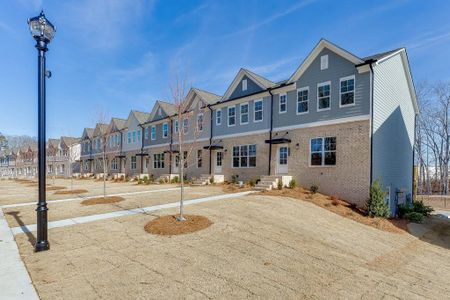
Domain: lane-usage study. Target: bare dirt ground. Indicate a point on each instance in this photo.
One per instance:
(257, 247)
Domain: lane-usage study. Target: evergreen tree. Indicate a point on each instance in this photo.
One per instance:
(376, 204)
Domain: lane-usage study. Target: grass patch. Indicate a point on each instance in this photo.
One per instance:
(169, 225)
(70, 192)
(102, 200)
(343, 209)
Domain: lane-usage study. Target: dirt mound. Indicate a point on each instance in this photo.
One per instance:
(169, 225)
(102, 200)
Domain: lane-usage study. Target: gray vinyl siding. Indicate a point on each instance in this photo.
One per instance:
(252, 88)
(133, 125)
(338, 67)
(224, 129)
(393, 128)
(159, 134)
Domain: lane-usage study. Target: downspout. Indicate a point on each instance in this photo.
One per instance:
(270, 131)
(170, 147)
(142, 148)
(414, 157)
(210, 137)
(371, 121)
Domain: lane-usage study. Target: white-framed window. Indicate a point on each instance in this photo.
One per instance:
(244, 156)
(347, 91)
(323, 151)
(158, 161)
(200, 122)
(302, 100)
(324, 62)
(231, 115)
(282, 105)
(323, 96)
(185, 125)
(258, 111)
(165, 130)
(117, 139)
(244, 84)
(219, 116)
(139, 136)
(114, 164)
(175, 128)
(134, 136)
(153, 133)
(243, 113)
(133, 163)
(199, 158)
(146, 133)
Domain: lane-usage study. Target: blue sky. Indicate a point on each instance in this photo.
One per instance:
(112, 56)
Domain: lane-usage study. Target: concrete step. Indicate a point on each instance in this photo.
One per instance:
(262, 187)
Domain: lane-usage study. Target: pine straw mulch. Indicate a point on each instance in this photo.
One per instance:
(169, 225)
(24, 181)
(343, 209)
(55, 188)
(102, 200)
(70, 192)
(234, 188)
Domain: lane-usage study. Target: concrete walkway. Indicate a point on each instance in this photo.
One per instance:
(443, 213)
(122, 213)
(81, 198)
(15, 283)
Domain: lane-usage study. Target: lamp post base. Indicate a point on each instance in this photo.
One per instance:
(41, 246)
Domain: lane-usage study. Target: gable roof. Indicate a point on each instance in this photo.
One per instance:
(119, 123)
(100, 128)
(381, 55)
(322, 44)
(69, 141)
(207, 97)
(88, 132)
(54, 143)
(262, 82)
(140, 116)
(168, 108)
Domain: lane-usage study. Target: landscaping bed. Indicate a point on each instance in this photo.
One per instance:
(70, 192)
(102, 200)
(169, 225)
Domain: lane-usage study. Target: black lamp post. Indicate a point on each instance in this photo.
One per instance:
(43, 32)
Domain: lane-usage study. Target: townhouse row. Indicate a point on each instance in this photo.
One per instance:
(62, 159)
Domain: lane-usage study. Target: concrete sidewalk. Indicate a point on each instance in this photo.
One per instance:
(15, 283)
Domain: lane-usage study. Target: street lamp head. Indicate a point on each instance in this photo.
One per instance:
(41, 29)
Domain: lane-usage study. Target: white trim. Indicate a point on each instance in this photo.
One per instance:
(221, 116)
(354, 91)
(241, 134)
(176, 142)
(228, 115)
(237, 80)
(240, 113)
(262, 94)
(162, 129)
(254, 110)
(279, 103)
(389, 56)
(156, 146)
(323, 165)
(324, 123)
(244, 86)
(153, 138)
(317, 95)
(306, 88)
(316, 51)
(203, 121)
(324, 59)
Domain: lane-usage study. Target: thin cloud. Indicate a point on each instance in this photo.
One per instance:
(429, 41)
(187, 16)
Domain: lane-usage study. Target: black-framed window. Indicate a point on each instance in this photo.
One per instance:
(244, 156)
(323, 151)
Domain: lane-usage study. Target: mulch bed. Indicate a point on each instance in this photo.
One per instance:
(70, 192)
(169, 225)
(343, 209)
(55, 188)
(102, 200)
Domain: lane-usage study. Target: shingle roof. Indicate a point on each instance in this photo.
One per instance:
(142, 117)
(264, 81)
(69, 140)
(54, 142)
(120, 123)
(380, 55)
(168, 108)
(89, 132)
(209, 98)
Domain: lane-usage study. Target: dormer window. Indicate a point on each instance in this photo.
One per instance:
(244, 85)
(324, 62)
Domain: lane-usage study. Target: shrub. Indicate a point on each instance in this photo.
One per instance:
(314, 189)
(234, 179)
(421, 208)
(140, 181)
(376, 204)
(414, 216)
(252, 182)
(175, 180)
(161, 181)
(292, 184)
(403, 209)
(152, 178)
(211, 180)
(280, 184)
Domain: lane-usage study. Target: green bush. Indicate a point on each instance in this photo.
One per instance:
(414, 216)
(234, 179)
(420, 207)
(314, 189)
(252, 182)
(140, 181)
(403, 209)
(292, 184)
(161, 181)
(175, 180)
(376, 204)
(280, 184)
(152, 178)
(211, 180)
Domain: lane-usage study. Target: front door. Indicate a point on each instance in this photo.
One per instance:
(282, 160)
(218, 162)
(145, 166)
(176, 164)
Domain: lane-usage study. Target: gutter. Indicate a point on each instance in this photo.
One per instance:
(270, 131)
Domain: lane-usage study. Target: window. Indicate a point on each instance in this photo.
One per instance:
(324, 62)
(244, 113)
(323, 151)
(175, 129)
(244, 85)
(159, 112)
(258, 111)
(134, 136)
(185, 155)
(153, 133)
(323, 96)
(218, 117)
(185, 126)
(133, 163)
(231, 116)
(158, 161)
(165, 130)
(146, 133)
(139, 136)
(200, 122)
(244, 156)
(282, 104)
(302, 100)
(199, 159)
(114, 164)
(347, 91)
